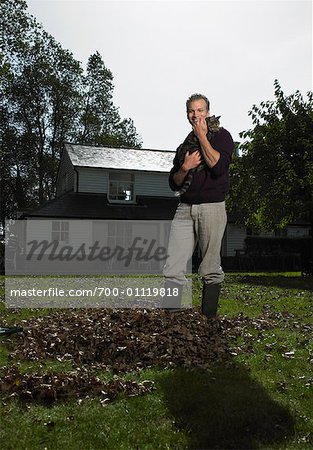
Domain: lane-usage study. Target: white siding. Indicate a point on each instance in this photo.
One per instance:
(80, 231)
(235, 236)
(146, 183)
(154, 184)
(93, 180)
(293, 231)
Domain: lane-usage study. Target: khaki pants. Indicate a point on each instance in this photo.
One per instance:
(204, 224)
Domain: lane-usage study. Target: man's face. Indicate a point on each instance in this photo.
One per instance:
(197, 109)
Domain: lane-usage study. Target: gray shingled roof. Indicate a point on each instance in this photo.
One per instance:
(120, 158)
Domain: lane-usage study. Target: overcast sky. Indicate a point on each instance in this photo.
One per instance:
(161, 52)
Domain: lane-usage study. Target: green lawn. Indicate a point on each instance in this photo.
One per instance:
(261, 397)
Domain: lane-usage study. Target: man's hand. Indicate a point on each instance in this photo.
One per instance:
(191, 161)
(200, 127)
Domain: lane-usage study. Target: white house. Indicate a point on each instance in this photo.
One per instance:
(105, 183)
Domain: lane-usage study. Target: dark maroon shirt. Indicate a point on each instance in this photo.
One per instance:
(210, 184)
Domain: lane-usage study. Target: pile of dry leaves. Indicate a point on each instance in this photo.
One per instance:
(50, 387)
(118, 341)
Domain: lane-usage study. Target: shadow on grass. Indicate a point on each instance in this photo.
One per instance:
(224, 409)
(280, 281)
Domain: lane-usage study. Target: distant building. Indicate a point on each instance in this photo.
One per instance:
(104, 183)
(111, 183)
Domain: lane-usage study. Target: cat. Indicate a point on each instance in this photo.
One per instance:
(192, 144)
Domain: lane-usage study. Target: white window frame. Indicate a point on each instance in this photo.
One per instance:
(119, 183)
(60, 231)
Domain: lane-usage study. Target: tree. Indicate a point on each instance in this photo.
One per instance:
(272, 183)
(100, 122)
(39, 94)
(45, 99)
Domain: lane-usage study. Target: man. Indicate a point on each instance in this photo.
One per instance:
(200, 216)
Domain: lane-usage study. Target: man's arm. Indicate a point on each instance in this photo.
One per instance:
(211, 156)
(190, 162)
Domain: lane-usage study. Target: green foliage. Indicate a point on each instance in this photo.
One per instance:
(99, 116)
(46, 99)
(100, 122)
(272, 183)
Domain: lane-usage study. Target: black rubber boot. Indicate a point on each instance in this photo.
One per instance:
(170, 301)
(210, 296)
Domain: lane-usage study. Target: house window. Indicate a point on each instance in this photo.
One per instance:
(121, 187)
(60, 231)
